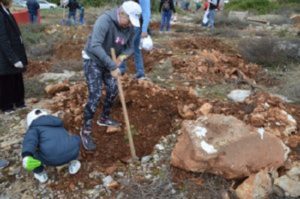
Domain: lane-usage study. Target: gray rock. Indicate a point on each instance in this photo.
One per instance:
(146, 159)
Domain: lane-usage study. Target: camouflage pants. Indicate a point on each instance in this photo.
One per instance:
(95, 76)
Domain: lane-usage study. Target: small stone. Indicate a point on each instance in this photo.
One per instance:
(159, 147)
(146, 159)
(107, 180)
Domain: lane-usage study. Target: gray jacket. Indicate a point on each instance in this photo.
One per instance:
(108, 34)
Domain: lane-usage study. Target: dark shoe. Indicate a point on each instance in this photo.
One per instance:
(8, 111)
(87, 140)
(23, 106)
(108, 122)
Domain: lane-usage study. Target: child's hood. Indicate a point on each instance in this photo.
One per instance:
(39, 117)
(47, 120)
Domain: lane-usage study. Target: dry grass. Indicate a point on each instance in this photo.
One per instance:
(34, 88)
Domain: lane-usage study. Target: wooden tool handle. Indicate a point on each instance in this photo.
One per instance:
(122, 98)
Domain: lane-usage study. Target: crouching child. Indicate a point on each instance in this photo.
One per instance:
(47, 142)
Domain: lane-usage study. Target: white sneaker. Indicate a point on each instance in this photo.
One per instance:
(74, 166)
(42, 177)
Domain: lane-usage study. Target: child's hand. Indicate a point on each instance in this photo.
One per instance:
(29, 163)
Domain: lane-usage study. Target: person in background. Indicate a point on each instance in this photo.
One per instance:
(176, 3)
(47, 142)
(13, 60)
(140, 33)
(81, 14)
(33, 6)
(187, 5)
(73, 5)
(166, 8)
(212, 7)
(113, 29)
(197, 5)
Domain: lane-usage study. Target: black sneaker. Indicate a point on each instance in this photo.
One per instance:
(87, 140)
(9, 111)
(108, 122)
(21, 107)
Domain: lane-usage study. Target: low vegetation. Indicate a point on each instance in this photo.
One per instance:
(33, 34)
(260, 6)
(34, 88)
(270, 52)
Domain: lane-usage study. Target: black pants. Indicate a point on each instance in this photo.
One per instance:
(11, 91)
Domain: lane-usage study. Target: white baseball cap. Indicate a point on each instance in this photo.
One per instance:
(133, 10)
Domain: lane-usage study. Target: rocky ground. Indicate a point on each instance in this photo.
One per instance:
(189, 68)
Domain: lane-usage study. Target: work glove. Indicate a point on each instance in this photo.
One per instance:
(19, 64)
(30, 163)
(115, 73)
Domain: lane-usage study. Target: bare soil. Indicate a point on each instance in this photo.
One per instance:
(154, 112)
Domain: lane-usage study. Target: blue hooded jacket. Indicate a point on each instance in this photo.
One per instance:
(47, 140)
(33, 6)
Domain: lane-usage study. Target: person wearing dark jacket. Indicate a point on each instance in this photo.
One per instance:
(73, 5)
(33, 6)
(48, 142)
(113, 29)
(166, 8)
(13, 60)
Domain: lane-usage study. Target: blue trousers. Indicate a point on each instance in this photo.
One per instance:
(138, 56)
(81, 16)
(165, 20)
(32, 18)
(211, 19)
(72, 17)
(95, 76)
(68, 159)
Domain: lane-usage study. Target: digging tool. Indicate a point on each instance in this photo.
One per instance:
(122, 98)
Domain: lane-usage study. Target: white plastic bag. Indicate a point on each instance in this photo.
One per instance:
(205, 18)
(146, 43)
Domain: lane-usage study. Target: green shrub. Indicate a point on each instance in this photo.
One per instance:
(259, 6)
(288, 1)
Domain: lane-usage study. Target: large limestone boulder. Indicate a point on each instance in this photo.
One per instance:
(226, 146)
